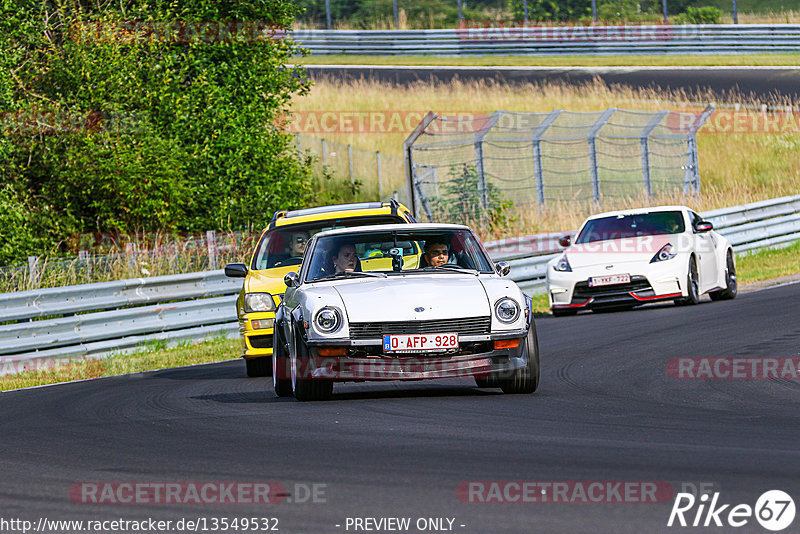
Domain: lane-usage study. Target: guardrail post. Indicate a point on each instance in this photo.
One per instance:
(537, 153)
(83, 257)
(33, 269)
(211, 244)
(592, 138)
(130, 251)
(645, 144)
(324, 153)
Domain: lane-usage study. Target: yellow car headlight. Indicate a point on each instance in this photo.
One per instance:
(258, 302)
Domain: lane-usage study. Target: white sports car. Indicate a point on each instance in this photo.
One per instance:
(627, 258)
(402, 302)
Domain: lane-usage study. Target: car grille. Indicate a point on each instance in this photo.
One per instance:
(583, 291)
(261, 342)
(470, 326)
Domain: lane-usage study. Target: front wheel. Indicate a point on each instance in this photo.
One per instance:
(258, 366)
(525, 379)
(305, 387)
(692, 285)
(731, 285)
(281, 376)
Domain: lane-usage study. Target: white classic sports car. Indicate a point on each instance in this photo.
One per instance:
(627, 258)
(402, 302)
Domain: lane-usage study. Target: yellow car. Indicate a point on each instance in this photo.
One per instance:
(278, 252)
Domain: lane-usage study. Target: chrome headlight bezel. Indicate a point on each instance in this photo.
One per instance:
(322, 318)
(667, 252)
(258, 302)
(504, 302)
(562, 265)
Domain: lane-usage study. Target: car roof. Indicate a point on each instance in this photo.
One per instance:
(638, 211)
(357, 209)
(408, 227)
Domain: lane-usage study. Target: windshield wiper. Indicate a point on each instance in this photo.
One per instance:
(449, 267)
(346, 274)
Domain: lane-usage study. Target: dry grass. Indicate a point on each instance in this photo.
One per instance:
(734, 168)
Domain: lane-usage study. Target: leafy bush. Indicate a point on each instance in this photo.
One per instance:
(136, 133)
(700, 15)
(547, 10)
(462, 201)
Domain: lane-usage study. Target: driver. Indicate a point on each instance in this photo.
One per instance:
(297, 244)
(345, 258)
(436, 253)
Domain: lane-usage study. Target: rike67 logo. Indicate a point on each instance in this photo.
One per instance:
(774, 510)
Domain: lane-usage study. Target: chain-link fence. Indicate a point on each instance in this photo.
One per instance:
(381, 176)
(461, 168)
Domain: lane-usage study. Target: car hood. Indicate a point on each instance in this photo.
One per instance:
(268, 280)
(398, 298)
(615, 251)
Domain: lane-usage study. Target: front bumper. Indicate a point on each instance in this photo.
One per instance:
(571, 290)
(256, 342)
(367, 362)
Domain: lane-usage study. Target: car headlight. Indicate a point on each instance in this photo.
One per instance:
(563, 264)
(667, 252)
(258, 302)
(328, 320)
(506, 310)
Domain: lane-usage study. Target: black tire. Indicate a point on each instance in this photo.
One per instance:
(692, 285)
(306, 388)
(525, 379)
(258, 366)
(562, 313)
(281, 376)
(731, 284)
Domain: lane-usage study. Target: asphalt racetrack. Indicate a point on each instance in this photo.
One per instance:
(607, 411)
(763, 84)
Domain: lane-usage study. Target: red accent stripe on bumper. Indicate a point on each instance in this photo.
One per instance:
(578, 305)
(655, 297)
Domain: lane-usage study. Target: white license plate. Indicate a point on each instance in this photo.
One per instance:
(609, 280)
(420, 342)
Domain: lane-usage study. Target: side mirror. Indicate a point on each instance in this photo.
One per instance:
(565, 241)
(291, 279)
(236, 270)
(502, 268)
(703, 226)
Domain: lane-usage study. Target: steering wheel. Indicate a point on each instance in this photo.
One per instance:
(296, 260)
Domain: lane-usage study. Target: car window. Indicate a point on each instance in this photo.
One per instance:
(376, 251)
(625, 226)
(278, 247)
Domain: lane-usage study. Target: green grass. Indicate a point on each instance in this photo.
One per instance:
(761, 265)
(152, 356)
(768, 264)
(787, 59)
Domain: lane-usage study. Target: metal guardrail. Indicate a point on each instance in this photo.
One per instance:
(557, 40)
(769, 223)
(49, 326)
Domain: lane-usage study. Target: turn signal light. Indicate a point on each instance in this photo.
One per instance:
(331, 351)
(506, 344)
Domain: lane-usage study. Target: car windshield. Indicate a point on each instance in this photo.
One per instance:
(396, 252)
(626, 226)
(285, 246)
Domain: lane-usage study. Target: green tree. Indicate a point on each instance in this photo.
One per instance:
(116, 130)
(462, 201)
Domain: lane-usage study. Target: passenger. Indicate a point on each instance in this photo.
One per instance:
(436, 254)
(345, 258)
